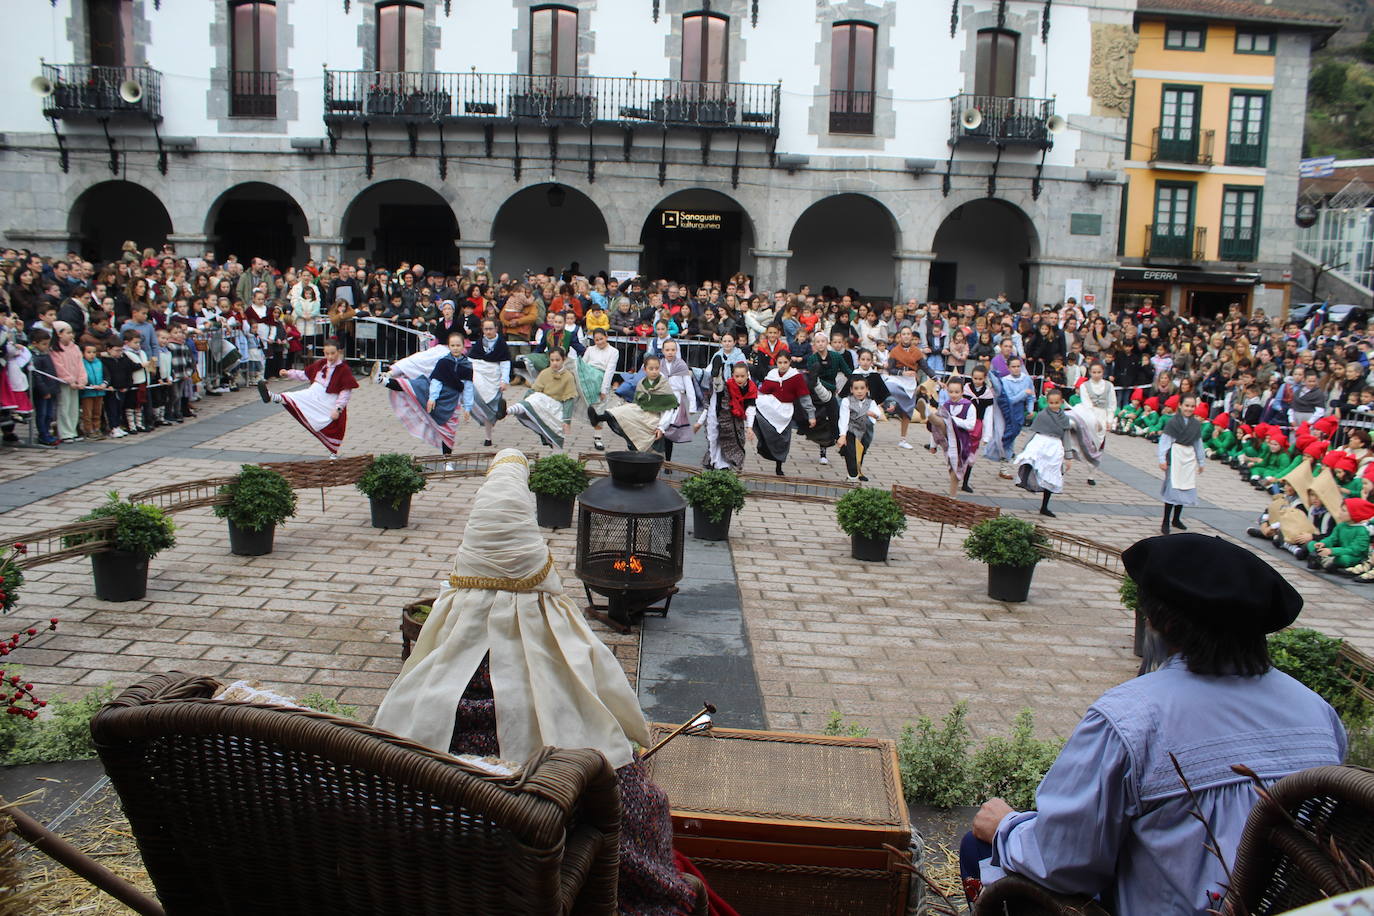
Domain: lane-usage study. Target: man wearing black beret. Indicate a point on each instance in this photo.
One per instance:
(1112, 816)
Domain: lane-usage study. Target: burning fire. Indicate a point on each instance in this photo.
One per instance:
(632, 565)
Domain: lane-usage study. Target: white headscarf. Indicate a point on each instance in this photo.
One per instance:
(555, 683)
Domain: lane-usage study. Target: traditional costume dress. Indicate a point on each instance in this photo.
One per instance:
(567, 340)
(1040, 466)
(1013, 394)
(1090, 433)
(779, 397)
(857, 417)
(331, 386)
(595, 372)
(957, 436)
(729, 415)
(490, 368)
(901, 387)
(654, 409)
(447, 381)
(549, 404)
(827, 374)
(507, 665)
(14, 381)
(984, 398)
(1180, 447)
(684, 385)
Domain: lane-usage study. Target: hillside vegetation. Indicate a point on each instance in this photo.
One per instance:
(1340, 102)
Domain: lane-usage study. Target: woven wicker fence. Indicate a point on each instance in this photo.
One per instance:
(49, 545)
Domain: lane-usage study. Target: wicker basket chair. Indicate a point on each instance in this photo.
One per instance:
(1014, 895)
(244, 808)
(1285, 857)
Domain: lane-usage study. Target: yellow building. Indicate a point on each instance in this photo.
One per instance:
(1213, 142)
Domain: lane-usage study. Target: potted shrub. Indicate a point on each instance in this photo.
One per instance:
(1010, 547)
(389, 482)
(413, 617)
(141, 532)
(556, 481)
(260, 499)
(713, 496)
(871, 518)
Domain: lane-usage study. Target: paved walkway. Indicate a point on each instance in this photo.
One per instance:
(777, 628)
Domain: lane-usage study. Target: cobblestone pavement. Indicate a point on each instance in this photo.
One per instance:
(882, 643)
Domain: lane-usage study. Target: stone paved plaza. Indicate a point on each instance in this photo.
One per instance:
(882, 643)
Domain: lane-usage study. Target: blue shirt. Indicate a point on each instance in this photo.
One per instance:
(148, 331)
(1112, 815)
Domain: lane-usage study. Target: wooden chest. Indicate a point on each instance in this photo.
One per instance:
(789, 825)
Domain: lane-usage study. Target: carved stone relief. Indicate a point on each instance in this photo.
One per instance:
(1110, 79)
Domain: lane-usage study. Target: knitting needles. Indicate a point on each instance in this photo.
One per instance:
(697, 725)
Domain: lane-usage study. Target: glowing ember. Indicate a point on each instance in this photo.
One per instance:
(632, 565)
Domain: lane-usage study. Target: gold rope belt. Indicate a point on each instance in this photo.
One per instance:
(509, 459)
(495, 583)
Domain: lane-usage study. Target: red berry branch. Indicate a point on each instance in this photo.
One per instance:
(23, 701)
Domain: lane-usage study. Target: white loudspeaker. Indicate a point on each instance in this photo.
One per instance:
(41, 85)
(1057, 124)
(972, 118)
(131, 91)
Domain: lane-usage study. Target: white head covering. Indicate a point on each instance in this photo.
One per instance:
(554, 681)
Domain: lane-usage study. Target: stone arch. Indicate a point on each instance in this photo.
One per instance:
(984, 246)
(711, 243)
(108, 213)
(847, 241)
(401, 220)
(549, 225)
(257, 219)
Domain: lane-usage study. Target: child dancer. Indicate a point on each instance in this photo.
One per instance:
(1016, 389)
(858, 412)
(595, 373)
(729, 419)
(1042, 464)
(548, 408)
(490, 377)
(1098, 395)
(643, 421)
(432, 405)
(1181, 459)
(683, 384)
(782, 390)
(323, 407)
(956, 431)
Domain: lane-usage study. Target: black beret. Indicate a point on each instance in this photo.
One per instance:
(1220, 585)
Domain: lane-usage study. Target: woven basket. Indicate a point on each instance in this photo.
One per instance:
(410, 627)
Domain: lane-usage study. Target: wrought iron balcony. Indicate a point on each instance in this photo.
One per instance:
(851, 112)
(415, 96)
(82, 90)
(1184, 146)
(1001, 121)
(252, 93)
(1238, 243)
(1176, 243)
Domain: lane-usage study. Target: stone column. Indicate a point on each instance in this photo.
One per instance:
(913, 274)
(770, 270)
(322, 247)
(1048, 276)
(470, 250)
(623, 257)
(189, 245)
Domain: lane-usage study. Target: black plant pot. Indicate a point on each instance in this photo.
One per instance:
(553, 511)
(1009, 583)
(706, 530)
(385, 516)
(874, 550)
(245, 543)
(120, 575)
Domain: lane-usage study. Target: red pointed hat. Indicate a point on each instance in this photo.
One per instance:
(1247, 430)
(1327, 425)
(1152, 403)
(1315, 449)
(1304, 429)
(1222, 421)
(1201, 411)
(1340, 461)
(1138, 395)
(1172, 403)
(1277, 436)
(1302, 441)
(1361, 510)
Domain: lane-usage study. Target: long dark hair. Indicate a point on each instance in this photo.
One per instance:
(1206, 651)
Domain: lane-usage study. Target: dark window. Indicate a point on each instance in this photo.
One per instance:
(1178, 124)
(1254, 42)
(1172, 233)
(1240, 209)
(253, 67)
(1247, 128)
(705, 42)
(995, 68)
(111, 25)
(553, 41)
(852, 47)
(1185, 37)
(400, 36)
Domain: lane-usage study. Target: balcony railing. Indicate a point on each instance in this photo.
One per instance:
(1238, 243)
(1244, 153)
(1001, 120)
(1196, 149)
(851, 112)
(365, 95)
(1186, 245)
(252, 93)
(82, 90)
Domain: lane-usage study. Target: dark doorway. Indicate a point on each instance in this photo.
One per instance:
(548, 225)
(1205, 303)
(694, 236)
(401, 220)
(944, 281)
(845, 241)
(990, 242)
(258, 220)
(110, 213)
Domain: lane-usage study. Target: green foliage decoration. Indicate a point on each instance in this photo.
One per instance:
(63, 734)
(259, 498)
(1005, 541)
(871, 513)
(139, 528)
(558, 476)
(716, 493)
(392, 477)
